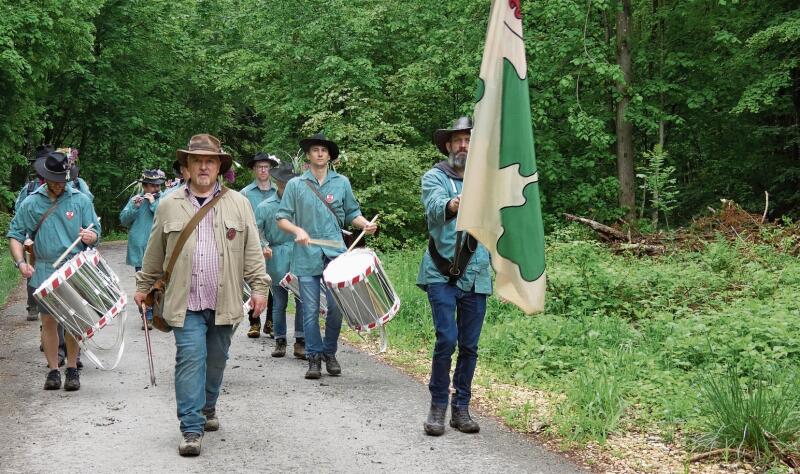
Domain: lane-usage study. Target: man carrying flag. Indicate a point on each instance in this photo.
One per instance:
(455, 274)
(500, 204)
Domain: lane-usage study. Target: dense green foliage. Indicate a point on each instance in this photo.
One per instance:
(639, 336)
(127, 82)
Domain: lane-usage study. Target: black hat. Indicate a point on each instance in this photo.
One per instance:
(55, 166)
(153, 177)
(284, 172)
(442, 136)
(176, 168)
(261, 156)
(41, 150)
(319, 139)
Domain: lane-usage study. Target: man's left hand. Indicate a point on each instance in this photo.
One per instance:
(88, 236)
(258, 303)
(370, 228)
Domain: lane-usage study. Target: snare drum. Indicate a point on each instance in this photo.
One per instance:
(85, 297)
(362, 290)
(291, 283)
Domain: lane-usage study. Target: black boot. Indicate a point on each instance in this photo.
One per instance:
(314, 366)
(280, 347)
(460, 420)
(434, 425)
(332, 365)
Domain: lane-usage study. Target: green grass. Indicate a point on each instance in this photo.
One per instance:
(628, 340)
(9, 275)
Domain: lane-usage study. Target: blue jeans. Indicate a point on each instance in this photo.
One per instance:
(309, 293)
(458, 319)
(280, 299)
(149, 308)
(202, 350)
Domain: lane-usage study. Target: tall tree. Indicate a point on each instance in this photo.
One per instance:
(624, 128)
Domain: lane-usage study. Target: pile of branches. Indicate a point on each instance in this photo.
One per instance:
(730, 222)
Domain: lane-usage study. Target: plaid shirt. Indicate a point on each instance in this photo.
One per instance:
(205, 262)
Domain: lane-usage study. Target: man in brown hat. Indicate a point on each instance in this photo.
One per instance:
(203, 298)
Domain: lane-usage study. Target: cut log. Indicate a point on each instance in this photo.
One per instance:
(608, 233)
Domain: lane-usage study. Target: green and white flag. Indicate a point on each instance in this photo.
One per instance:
(500, 201)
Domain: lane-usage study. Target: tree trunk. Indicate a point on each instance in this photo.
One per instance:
(624, 129)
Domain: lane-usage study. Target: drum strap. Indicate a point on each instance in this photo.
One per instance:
(187, 231)
(44, 216)
(463, 254)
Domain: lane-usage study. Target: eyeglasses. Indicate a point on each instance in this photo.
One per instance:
(263, 167)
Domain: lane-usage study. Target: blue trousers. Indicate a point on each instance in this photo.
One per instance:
(315, 344)
(458, 319)
(280, 299)
(202, 351)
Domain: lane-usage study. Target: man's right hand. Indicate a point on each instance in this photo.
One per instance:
(26, 270)
(139, 298)
(267, 252)
(454, 204)
(301, 236)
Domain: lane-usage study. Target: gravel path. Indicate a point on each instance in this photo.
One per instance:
(367, 420)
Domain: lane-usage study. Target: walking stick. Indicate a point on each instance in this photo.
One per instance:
(143, 310)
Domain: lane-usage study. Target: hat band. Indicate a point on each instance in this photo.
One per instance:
(200, 147)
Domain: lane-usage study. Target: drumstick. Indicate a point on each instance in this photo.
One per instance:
(69, 249)
(325, 243)
(374, 219)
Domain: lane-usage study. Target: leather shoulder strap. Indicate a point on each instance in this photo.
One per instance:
(44, 216)
(327, 204)
(187, 231)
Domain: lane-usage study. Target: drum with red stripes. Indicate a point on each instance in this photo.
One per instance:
(85, 297)
(362, 290)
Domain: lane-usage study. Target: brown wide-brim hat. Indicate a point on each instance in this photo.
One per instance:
(442, 136)
(205, 144)
(320, 139)
(54, 167)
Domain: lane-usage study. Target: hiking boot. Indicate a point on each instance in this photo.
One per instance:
(300, 348)
(61, 361)
(73, 380)
(79, 364)
(33, 315)
(212, 422)
(53, 380)
(314, 366)
(268, 328)
(149, 325)
(434, 425)
(460, 420)
(280, 348)
(190, 444)
(332, 365)
(255, 330)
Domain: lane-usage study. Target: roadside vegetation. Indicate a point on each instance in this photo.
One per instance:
(704, 344)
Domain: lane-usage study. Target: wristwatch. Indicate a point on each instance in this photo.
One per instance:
(18, 263)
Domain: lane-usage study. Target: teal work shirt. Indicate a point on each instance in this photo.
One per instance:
(140, 221)
(58, 231)
(23, 193)
(303, 208)
(437, 190)
(281, 243)
(255, 195)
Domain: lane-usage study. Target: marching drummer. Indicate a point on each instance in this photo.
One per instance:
(257, 192)
(53, 216)
(316, 205)
(278, 248)
(455, 274)
(138, 216)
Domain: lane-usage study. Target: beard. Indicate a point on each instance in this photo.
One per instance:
(457, 160)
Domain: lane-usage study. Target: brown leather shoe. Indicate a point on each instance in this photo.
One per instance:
(300, 349)
(255, 331)
(190, 444)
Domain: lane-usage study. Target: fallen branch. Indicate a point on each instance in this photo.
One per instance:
(717, 452)
(647, 248)
(605, 231)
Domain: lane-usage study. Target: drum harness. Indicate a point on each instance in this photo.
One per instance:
(465, 248)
